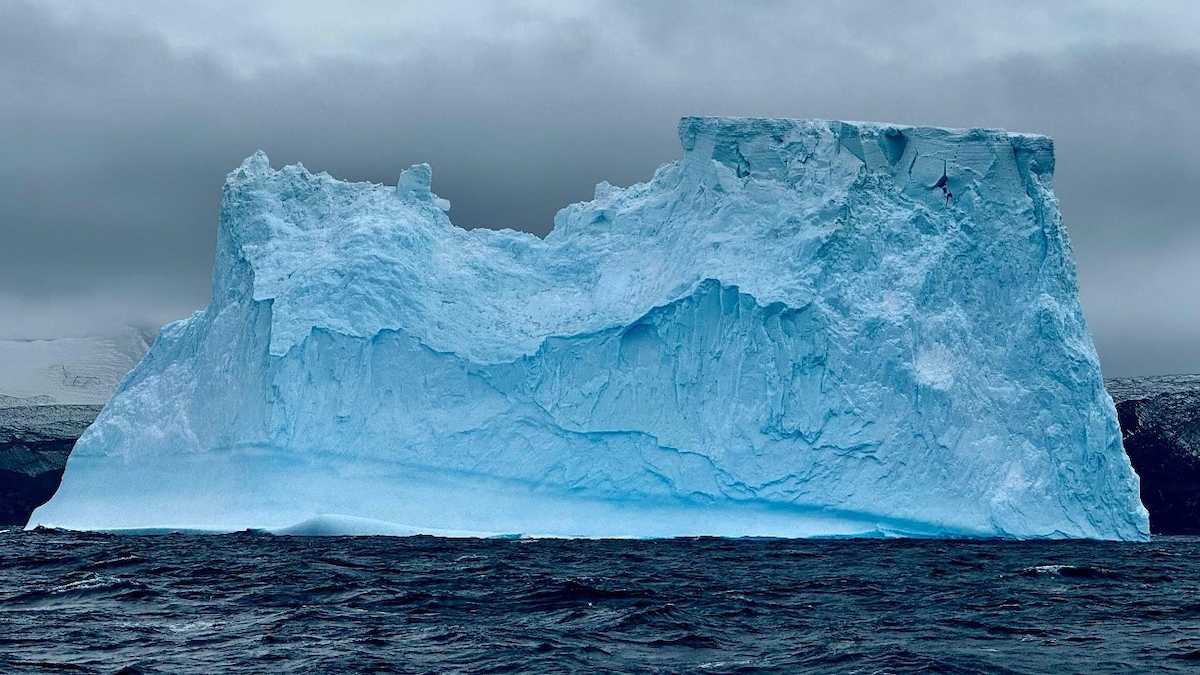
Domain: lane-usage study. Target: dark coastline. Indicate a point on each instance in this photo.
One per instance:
(35, 441)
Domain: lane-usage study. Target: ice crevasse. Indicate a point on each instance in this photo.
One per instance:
(790, 331)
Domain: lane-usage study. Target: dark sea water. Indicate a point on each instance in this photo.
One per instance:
(75, 602)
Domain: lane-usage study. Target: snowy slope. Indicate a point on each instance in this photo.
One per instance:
(75, 370)
(790, 331)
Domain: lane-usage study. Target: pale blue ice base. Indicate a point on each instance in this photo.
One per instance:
(223, 492)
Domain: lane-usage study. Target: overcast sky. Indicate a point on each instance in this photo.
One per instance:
(119, 121)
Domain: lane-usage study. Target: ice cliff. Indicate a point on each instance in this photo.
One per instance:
(789, 331)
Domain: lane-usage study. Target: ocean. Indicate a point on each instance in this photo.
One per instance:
(252, 602)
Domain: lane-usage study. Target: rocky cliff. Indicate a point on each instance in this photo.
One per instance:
(35, 441)
(1160, 422)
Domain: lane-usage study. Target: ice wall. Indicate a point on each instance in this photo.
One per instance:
(790, 331)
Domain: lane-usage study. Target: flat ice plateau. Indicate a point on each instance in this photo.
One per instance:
(791, 331)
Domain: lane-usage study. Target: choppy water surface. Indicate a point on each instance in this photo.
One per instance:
(253, 602)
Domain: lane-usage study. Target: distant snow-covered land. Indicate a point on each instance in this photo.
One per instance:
(69, 370)
(50, 391)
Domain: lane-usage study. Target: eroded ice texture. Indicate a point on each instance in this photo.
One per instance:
(789, 332)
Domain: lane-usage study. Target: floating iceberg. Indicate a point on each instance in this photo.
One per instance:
(797, 329)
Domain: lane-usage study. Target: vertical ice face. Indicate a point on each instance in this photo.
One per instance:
(797, 329)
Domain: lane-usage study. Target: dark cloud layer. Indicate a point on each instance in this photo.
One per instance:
(114, 141)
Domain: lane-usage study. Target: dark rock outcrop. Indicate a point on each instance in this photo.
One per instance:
(1160, 423)
(35, 441)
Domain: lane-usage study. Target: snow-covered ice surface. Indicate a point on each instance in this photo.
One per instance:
(787, 332)
(71, 370)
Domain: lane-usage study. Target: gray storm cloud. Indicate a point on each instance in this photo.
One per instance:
(118, 122)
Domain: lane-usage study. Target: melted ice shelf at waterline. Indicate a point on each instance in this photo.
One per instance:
(790, 331)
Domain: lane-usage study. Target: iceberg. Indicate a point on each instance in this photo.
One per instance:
(800, 328)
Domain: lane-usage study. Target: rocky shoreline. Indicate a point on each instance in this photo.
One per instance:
(1160, 425)
(35, 441)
